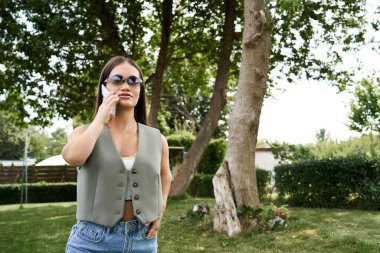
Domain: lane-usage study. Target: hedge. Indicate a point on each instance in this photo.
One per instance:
(38, 193)
(341, 182)
(201, 186)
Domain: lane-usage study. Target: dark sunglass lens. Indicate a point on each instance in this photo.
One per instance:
(116, 79)
(133, 80)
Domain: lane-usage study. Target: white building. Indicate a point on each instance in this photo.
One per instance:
(265, 159)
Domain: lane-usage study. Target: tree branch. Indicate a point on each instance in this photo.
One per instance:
(110, 34)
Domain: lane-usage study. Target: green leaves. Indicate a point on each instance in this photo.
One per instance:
(11, 139)
(263, 218)
(51, 52)
(365, 108)
(309, 38)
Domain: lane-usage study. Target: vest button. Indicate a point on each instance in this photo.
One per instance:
(118, 197)
(120, 184)
(138, 211)
(135, 184)
(134, 171)
(136, 197)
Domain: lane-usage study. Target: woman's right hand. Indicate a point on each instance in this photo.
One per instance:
(104, 111)
(82, 140)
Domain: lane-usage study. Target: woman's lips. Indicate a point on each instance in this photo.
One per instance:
(125, 96)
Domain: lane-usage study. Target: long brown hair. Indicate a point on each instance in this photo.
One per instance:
(140, 109)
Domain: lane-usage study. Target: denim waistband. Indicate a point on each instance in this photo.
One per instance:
(121, 227)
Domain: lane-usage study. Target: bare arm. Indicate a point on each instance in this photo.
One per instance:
(166, 180)
(166, 175)
(82, 140)
(81, 143)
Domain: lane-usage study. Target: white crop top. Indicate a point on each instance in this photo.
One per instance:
(129, 161)
(128, 164)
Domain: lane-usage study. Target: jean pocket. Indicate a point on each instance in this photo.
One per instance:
(91, 232)
(144, 231)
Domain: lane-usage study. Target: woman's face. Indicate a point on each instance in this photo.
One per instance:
(128, 93)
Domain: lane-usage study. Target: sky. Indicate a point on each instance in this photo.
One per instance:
(294, 116)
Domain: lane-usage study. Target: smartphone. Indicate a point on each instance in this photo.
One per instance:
(105, 91)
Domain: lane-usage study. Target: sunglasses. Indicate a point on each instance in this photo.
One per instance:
(119, 80)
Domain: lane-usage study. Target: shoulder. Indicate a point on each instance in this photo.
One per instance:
(151, 130)
(157, 132)
(164, 140)
(164, 145)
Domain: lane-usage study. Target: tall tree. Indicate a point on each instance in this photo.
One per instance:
(186, 170)
(365, 109)
(235, 182)
(322, 135)
(38, 144)
(294, 24)
(162, 61)
(299, 27)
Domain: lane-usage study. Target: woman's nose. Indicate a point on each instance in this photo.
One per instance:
(125, 86)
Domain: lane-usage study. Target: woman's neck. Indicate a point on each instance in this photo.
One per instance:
(124, 121)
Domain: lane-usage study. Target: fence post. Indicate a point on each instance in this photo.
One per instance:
(25, 171)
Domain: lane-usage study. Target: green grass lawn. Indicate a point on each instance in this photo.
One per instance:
(45, 228)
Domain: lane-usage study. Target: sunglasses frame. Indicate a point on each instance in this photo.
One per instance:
(135, 80)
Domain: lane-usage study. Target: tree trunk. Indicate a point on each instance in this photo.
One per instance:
(167, 17)
(184, 172)
(245, 116)
(226, 219)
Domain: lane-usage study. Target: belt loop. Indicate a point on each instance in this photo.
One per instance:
(139, 225)
(109, 230)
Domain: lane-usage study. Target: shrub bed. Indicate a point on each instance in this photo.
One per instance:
(341, 182)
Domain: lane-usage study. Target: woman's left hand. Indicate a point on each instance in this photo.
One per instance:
(154, 225)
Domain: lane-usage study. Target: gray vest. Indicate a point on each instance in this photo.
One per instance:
(101, 183)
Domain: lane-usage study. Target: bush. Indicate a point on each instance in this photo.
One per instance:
(201, 186)
(213, 156)
(263, 180)
(180, 139)
(341, 182)
(38, 193)
(211, 159)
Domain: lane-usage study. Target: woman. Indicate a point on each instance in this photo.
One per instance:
(123, 176)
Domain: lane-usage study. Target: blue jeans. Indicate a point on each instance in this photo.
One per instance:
(129, 236)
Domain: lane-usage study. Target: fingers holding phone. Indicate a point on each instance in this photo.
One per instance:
(108, 107)
(105, 92)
